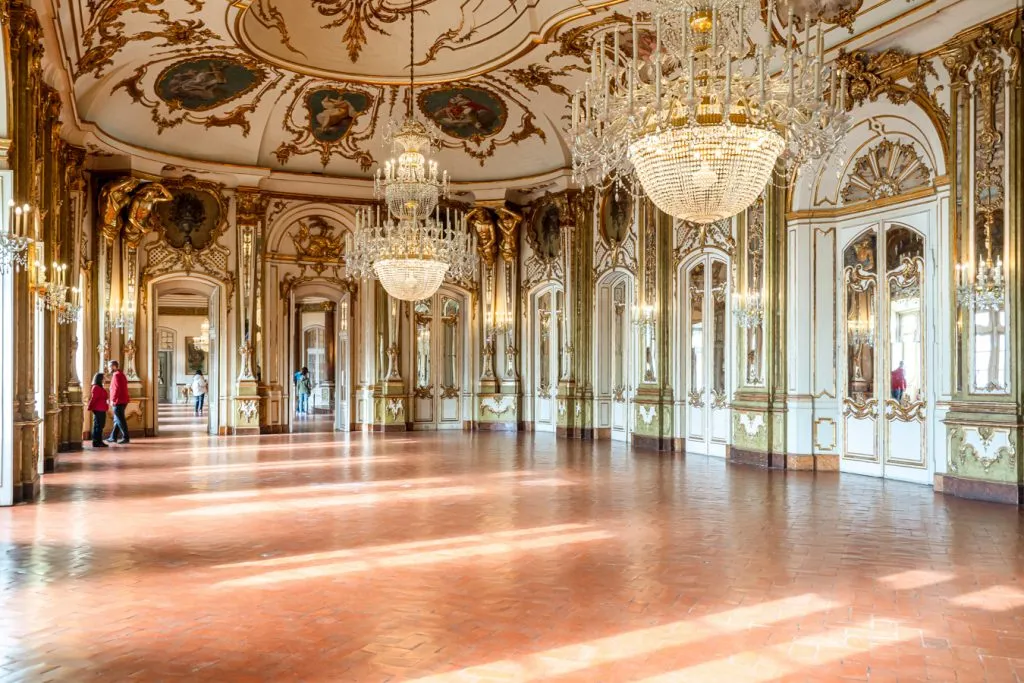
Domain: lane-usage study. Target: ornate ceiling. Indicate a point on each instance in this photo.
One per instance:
(307, 86)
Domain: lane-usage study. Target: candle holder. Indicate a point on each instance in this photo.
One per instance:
(984, 289)
(643, 318)
(748, 310)
(861, 332)
(14, 239)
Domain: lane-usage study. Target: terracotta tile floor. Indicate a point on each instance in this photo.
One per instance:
(449, 557)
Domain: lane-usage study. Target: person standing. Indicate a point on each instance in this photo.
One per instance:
(99, 401)
(304, 388)
(199, 389)
(120, 399)
(899, 382)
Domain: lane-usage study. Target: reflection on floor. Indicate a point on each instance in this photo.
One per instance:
(178, 418)
(448, 557)
(312, 423)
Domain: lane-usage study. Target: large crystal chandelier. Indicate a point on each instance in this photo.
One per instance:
(415, 246)
(14, 239)
(702, 117)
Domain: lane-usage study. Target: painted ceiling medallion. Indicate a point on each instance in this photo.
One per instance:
(330, 121)
(203, 83)
(467, 113)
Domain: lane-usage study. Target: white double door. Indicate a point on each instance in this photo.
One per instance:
(438, 361)
(706, 357)
(548, 341)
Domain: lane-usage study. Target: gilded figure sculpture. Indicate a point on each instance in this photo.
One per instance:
(140, 215)
(483, 224)
(114, 196)
(509, 221)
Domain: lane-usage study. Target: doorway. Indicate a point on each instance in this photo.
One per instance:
(438, 360)
(320, 344)
(884, 389)
(548, 341)
(706, 361)
(185, 325)
(615, 349)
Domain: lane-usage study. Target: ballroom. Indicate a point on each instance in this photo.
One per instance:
(505, 340)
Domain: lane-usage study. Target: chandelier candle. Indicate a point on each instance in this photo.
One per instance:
(703, 119)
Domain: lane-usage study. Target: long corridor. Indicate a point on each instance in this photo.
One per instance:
(455, 557)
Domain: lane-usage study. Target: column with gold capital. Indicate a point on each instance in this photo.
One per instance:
(249, 414)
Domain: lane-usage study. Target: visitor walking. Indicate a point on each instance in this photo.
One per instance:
(99, 401)
(199, 389)
(119, 398)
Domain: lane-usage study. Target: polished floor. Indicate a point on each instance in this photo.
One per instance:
(444, 558)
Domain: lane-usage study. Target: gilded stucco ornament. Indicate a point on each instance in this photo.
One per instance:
(484, 226)
(141, 214)
(509, 221)
(319, 242)
(114, 196)
(886, 170)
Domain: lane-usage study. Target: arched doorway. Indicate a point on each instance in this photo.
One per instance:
(706, 360)
(546, 321)
(186, 323)
(615, 354)
(439, 369)
(884, 361)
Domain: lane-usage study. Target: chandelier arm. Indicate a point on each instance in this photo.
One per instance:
(412, 60)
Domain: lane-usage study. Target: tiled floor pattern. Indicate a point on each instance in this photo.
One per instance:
(444, 558)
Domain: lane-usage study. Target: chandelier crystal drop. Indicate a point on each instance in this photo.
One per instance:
(697, 102)
(202, 342)
(414, 247)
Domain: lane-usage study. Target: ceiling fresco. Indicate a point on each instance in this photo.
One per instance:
(309, 86)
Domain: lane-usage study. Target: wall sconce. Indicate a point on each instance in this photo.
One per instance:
(983, 290)
(125, 318)
(14, 239)
(643, 318)
(861, 332)
(748, 309)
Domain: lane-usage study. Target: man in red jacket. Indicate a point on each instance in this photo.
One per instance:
(119, 399)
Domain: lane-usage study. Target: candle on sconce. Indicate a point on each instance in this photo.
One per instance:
(25, 211)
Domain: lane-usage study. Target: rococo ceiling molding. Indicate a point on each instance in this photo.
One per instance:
(835, 12)
(871, 75)
(196, 90)
(329, 120)
(105, 34)
(1003, 33)
(887, 169)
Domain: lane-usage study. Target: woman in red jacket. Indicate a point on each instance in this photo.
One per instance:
(98, 405)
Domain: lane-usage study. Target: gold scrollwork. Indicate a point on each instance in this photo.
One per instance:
(422, 392)
(719, 400)
(449, 392)
(911, 411)
(861, 411)
(696, 398)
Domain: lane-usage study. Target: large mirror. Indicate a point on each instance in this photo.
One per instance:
(450, 319)
(860, 271)
(904, 264)
(423, 320)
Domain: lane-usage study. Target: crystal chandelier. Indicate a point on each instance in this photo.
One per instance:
(411, 251)
(861, 332)
(202, 342)
(14, 239)
(748, 310)
(986, 290)
(702, 120)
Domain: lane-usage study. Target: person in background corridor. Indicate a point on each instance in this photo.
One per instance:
(899, 382)
(119, 399)
(98, 403)
(199, 388)
(304, 388)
